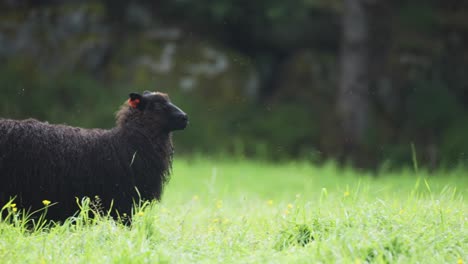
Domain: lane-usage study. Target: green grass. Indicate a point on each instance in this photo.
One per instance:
(253, 212)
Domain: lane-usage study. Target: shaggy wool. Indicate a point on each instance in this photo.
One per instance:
(41, 161)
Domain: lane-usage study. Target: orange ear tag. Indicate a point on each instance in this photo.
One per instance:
(133, 103)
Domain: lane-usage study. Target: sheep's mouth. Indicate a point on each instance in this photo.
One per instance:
(179, 123)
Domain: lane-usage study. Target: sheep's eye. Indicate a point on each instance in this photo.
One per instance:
(158, 105)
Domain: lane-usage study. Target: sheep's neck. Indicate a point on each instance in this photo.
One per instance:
(145, 136)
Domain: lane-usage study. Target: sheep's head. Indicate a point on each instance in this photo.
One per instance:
(156, 108)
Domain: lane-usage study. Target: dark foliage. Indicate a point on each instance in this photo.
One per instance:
(41, 161)
(277, 96)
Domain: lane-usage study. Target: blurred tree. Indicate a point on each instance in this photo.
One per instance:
(353, 99)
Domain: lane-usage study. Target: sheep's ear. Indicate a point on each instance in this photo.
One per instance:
(135, 100)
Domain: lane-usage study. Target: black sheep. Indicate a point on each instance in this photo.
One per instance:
(41, 161)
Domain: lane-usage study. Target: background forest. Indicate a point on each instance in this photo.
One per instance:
(357, 81)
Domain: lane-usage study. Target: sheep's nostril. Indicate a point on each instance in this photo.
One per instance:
(182, 117)
(179, 121)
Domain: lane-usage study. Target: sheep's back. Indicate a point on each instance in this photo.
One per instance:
(54, 162)
(24, 143)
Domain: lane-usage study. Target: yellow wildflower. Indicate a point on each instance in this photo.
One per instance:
(290, 206)
(13, 205)
(270, 202)
(45, 202)
(460, 261)
(14, 209)
(216, 220)
(219, 204)
(141, 213)
(345, 194)
(195, 197)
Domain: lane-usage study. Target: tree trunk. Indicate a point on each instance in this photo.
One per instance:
(353, 100)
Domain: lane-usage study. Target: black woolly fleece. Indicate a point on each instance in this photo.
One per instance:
(41, 161)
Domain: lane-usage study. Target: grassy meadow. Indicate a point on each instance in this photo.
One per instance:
(234, 211)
